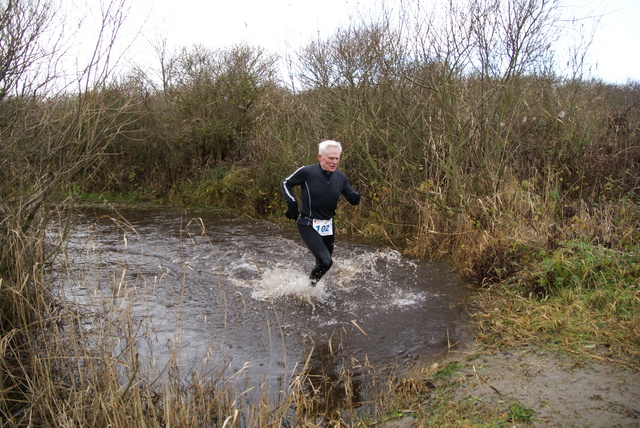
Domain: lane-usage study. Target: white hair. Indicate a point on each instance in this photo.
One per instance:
(324, 146)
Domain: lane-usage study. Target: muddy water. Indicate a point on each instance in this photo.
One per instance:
(229, 295)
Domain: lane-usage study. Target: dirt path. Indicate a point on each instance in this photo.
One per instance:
(561, 392)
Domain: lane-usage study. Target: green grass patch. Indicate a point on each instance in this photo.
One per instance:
(447, 371)
(581, 296)
(520, 413)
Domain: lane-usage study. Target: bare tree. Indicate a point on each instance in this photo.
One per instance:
(23, 25)
(50, 130)
(47, 135)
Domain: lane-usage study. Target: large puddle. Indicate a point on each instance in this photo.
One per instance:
(231, 295)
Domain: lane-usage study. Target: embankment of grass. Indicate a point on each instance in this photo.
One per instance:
(578, 301)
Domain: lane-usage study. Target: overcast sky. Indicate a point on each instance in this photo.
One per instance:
(280, 24)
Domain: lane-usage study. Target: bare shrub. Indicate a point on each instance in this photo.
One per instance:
(47, 135)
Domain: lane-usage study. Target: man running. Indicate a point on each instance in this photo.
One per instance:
(321, 183)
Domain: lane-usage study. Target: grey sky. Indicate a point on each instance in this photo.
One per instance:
(278, 24)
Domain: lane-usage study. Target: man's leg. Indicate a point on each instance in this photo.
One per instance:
(322, 265)
(321, 247)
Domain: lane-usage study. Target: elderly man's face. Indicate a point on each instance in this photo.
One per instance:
(329, 162)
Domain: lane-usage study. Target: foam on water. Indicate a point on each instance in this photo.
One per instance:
(367, 265)
(407, 300)
(282, 281)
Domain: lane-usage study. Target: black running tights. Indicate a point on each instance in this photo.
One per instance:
(321, 247)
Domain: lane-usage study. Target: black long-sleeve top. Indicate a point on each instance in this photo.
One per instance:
(320, 191)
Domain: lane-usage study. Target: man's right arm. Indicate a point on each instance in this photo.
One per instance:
(287, 193)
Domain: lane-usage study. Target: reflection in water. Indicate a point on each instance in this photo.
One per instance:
(231, 296)
(328, 381)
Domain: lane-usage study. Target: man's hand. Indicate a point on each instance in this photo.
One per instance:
(292, 211)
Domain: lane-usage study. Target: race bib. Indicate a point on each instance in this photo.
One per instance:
(323, 227)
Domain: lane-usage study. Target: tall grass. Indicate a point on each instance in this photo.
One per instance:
(90, 358)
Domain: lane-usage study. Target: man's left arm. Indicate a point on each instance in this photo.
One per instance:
(351, 195)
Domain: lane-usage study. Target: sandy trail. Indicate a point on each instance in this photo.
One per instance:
(561, 392)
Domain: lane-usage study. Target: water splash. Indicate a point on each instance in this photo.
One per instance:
(369, 272)
(282, 281)
(367, 265)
